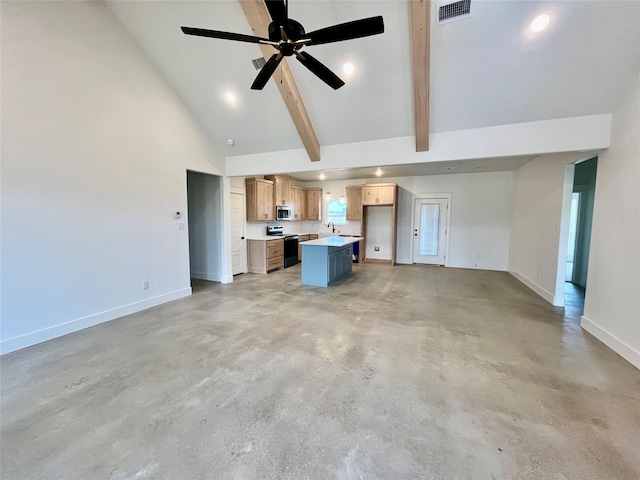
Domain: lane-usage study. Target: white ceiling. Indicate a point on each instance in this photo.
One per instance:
(417, 169)
(485, 70)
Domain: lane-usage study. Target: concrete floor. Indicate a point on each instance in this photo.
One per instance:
(397, 373)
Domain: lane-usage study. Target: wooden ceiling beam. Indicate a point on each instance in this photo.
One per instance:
(259, 20)
(420, 23)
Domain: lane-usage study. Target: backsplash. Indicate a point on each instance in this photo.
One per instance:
(256, 229)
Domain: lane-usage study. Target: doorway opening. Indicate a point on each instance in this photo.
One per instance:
(205, 218)
(573, 230)
(579, 238)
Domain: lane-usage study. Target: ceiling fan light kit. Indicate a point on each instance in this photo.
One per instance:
(288, 37)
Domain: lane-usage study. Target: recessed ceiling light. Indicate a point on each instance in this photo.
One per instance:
(322, 177)
(540, 23)
(348, 68)
(378, 172)
(230, 98)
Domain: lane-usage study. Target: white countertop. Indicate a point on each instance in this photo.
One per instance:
(265, 237)
(275, 237)
(333, 241)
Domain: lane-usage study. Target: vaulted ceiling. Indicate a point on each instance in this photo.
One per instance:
(485, 70)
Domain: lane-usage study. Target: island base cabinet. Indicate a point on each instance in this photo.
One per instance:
(325, 265)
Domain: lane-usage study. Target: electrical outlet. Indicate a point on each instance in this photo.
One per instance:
(145, 285)
(377, 249)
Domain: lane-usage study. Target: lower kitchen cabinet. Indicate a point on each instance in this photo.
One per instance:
(340, 263)
(264, 256)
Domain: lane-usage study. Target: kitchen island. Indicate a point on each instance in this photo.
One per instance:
(327, 260)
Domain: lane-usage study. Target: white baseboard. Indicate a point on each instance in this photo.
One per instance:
(479, 266)
(627, 352)
(548, 296)
(49, 333)
(228, 279)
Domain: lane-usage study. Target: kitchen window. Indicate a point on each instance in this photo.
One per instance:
(336, 212)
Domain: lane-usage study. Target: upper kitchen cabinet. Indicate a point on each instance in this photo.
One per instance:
(314, 204)
(259, 200)
(379, 194)
(282, 189)
(354, 202)
(299, 203)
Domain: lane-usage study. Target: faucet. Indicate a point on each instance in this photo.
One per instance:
(330, 224)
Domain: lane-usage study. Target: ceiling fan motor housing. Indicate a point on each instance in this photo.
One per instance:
(293, 29)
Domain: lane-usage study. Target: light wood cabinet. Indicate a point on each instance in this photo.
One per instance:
(302, 210)
(387, 194)
(314, 202)
(264, 256)
(354, 202)
(259, 200)
(281, 189)
(379, 194)
(298, 203)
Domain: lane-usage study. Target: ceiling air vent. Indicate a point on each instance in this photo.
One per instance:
(258, 63)
(450, 11)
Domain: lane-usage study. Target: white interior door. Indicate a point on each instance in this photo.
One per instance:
(238, 250)
(430, 230)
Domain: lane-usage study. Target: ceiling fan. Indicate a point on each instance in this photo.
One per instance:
(288, 37)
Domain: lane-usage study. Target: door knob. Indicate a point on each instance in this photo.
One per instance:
(241, 238)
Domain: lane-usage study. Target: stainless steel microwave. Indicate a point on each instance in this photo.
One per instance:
(284, 213)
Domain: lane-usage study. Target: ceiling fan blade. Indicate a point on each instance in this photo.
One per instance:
(346, 31)
(266, 72)
(321, 71)
(277, 10)
(202, 32)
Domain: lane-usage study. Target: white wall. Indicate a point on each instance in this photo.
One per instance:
(532, 138)
(95, 148)
(480, 216)
(541, 189)
(612, 304)
(379, 232)
(204, 194)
